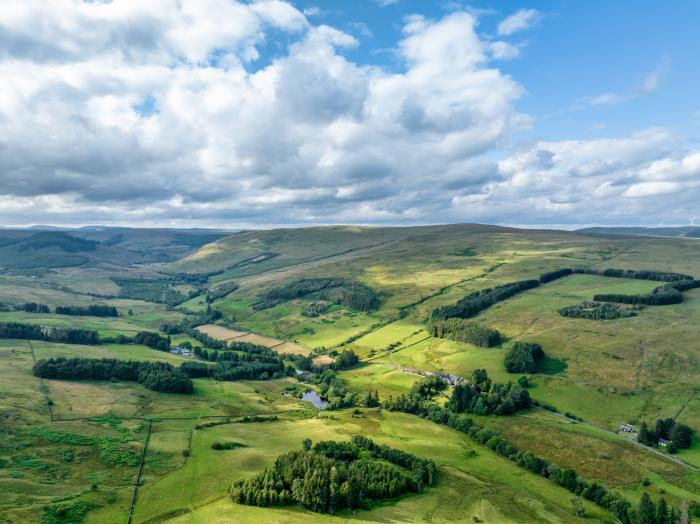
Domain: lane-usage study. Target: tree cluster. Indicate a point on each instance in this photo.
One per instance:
(220, 291)
(238, 361)
(332, 476)
(152, 340)
(485, 397)
(596, 311)
(346, 359)
(648, 512)
(480, 300)
(332, 387)
(33, 307)
(678, 434)
(93, 310)
(316, 309)
(49, 334)
(480, 396)
(522, 357)
(156, 376)
(661, 296)
(342, 291)
(153, 290)
(463, 330)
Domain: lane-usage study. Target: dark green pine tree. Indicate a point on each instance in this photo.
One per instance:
(646, 512)
(645, 435)
(663, 515)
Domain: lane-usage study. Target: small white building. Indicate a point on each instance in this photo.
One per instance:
(663, 442)
(627, 428)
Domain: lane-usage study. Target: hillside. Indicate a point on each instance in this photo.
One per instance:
(323, 292)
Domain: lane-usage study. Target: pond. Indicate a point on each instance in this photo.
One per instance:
(312, 396)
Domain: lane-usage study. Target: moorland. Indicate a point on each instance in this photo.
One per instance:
(468, 373)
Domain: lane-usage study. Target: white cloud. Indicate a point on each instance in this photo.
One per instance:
(608, 98)
(503, 50)
(519, 21)
(386, 3)
(590, 181)
(653, 80)
(309, 136)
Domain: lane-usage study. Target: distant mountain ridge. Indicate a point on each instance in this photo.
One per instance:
(672, 231)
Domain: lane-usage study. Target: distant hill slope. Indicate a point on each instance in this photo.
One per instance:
(169, 243)
(281, 247)
(679, 231)
(257, 251)
(30, 250)
(51, 248)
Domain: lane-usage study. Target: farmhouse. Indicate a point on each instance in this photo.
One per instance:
(180, 351)
(627, 428)
(663, 442)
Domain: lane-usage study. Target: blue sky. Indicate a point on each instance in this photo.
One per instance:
(263, 113)
(574, 52)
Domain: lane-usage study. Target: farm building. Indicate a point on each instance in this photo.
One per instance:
(627, 428)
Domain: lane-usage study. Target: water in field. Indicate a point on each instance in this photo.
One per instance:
(312, 396)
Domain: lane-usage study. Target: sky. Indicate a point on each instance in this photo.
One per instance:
(244, 114)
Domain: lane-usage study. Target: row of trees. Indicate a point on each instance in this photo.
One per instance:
(332, 476)
(93, 310)
(662, 276)
(480, 300)
(679, 435)
(567, 478)
(523, 357)
(661, 296)
(596, 311)
(549, 276)
(49, 334)
(464, 331)
(33, 307)
(156, 376)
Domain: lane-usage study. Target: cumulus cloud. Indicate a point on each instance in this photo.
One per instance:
(614, 180)
(158, 111)
(162, 112)
(518, 21)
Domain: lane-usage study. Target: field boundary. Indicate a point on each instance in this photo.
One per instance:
(42, 385)
(132, 507)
